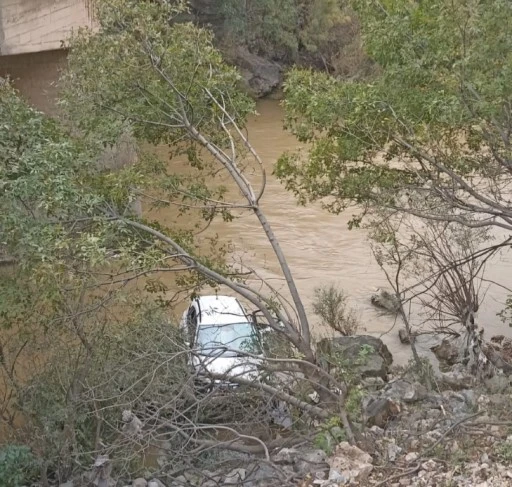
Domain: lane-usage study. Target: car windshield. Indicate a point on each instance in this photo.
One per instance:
(237, 337)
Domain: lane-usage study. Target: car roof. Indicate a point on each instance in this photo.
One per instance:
(220, 310)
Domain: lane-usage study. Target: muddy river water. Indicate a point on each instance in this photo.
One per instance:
(321, 249)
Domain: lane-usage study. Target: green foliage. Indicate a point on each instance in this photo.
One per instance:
(60, 202)
(62, 218)
(330, 305)
(265, 26)
(330, 434)
(145, 73)
(79, 392)
(44, 179)
(365, 351)
(331, 39)
(289, 29)
(353, 402)
(445, 71)
(18, 466)
(504, 451)
(143, 69)
(424, 373)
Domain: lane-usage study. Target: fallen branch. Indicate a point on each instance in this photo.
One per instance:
(449, 430)
(398, 476)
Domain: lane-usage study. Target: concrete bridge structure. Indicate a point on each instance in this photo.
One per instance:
(32, 33)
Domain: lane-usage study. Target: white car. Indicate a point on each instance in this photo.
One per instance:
(221, 334)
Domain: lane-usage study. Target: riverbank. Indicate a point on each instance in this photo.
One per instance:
(408, 436)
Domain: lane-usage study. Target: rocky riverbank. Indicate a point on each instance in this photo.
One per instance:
(439, 439)
(407, 435)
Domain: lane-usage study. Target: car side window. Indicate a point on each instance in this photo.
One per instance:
(192, 324)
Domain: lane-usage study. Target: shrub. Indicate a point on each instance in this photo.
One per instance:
(18, 465)
(330, 305)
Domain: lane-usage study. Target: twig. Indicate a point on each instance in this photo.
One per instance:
(399, 476)
(449, 430)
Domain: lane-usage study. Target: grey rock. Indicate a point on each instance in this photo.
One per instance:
(457, 378)
(447, 352)
(155, 483)
(429, 465)
(261, 76)
(403, 390)
(378, 411)
(393, 451)
(376, 430)
(235, 477)
(469, 396)
(311, 462)
(404, 336)
(314, 456)
(261, 475)
(69, 483)
(351, 462)
(411, 457)
(181, 480)
(385, 300)
(373, 383)
(337, 477)
(433, 413)
(366, 355)
(140, 482)
(485, 458)
(286, 455)
(497, 383)
(303, 461)
(320, 475)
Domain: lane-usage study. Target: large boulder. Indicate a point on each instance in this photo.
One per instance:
(457, 378)
(260, 75)
(447, 352)
(404, 390)
(302, 460)
(386, 300)
(378, 411)
(404, 336)
(350, 464)
(380, 408)
(363, 355)
(499, 353)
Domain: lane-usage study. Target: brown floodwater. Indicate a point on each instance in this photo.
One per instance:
(321, 249)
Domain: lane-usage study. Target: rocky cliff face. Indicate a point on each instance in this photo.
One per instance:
(260, 76)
